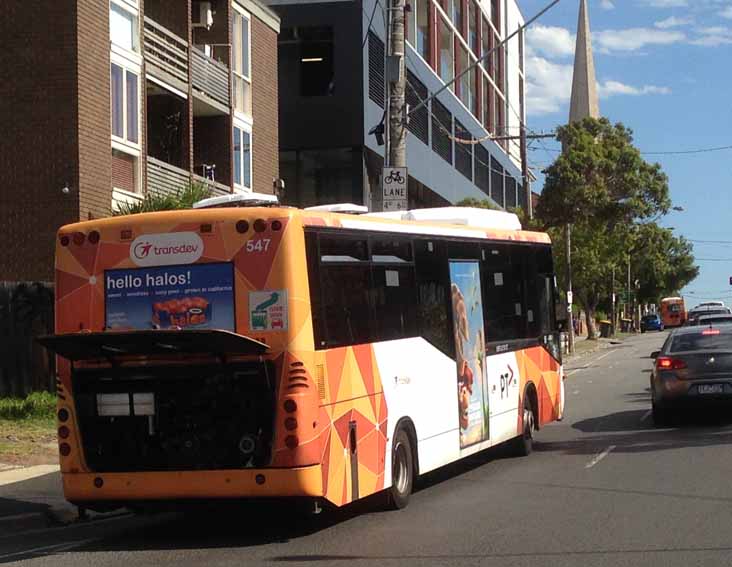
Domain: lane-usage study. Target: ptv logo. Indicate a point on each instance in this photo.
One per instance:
(507, 380)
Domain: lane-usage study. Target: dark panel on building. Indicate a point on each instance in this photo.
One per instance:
(510, 192)
(483, 169)
(441, 131)
(419, 122)
(497, 181)
(314, 114)
(376, 69)
(463, 151)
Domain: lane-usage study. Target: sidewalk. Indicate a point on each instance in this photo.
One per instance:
(32, 498)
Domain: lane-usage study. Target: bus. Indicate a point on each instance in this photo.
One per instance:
(673, 311)
(259, 351)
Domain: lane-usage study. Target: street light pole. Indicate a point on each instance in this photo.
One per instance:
(568, 253)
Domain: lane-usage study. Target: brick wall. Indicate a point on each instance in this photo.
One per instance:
(39, 145)
(265, 151)
(94, 130)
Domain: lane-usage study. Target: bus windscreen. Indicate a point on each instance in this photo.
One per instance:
(197, 296)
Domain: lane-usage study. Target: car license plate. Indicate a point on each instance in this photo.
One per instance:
(711, 388)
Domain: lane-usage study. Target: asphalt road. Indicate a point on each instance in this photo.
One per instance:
(603, 487)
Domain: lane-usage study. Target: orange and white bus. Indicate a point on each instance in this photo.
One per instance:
(673, 311)
(265, 351)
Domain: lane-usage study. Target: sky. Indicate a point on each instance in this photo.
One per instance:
(664, 69)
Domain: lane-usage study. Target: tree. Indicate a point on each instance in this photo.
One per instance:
(601, 185)
(184, 198)
(478, 204)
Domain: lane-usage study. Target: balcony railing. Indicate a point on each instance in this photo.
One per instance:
(166, 54)
(165, 179)
(210, 77)
(215, 187)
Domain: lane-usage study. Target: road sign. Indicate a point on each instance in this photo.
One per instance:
(394, 184)
(570, 297)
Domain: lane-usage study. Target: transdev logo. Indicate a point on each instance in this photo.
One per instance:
(166, 249)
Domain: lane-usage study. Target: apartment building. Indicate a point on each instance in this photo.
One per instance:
(105, 100)
(332, 94)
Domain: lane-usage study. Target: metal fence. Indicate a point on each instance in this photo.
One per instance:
(26, 312)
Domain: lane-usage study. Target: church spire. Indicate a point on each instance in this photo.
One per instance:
(584, 101)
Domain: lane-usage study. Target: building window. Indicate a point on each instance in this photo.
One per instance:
(124, 31)
(447, 46)
(241, 63)
(242, 158)
(125, 98)
(496, 13)
(485, 40)
(376, 69)
(456, 13)
(463, 151)
(473, 25)
(317, 76)
(497, 182)
(418, 29)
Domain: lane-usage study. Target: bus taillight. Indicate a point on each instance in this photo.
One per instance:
(64, 449)
(64, 240)
(63, 432)
(94, 237)
(290, 424)
(79, 238)
(291, 442)
(242, 226)
(260, 225)
(290, 406)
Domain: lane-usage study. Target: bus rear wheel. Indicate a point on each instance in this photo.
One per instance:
(402, 471)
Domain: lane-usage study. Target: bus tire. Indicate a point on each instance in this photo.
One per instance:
(523, 444)
(402, 471)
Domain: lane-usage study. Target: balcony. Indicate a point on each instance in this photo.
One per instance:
(210, 80)
(166, 55)
(165, 179)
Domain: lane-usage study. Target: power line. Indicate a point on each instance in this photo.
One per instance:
(671, 153)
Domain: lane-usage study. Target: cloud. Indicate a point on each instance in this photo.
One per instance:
(550, 41)
(727, 13)
(672, 22)
(712, 36)
(666, 3)
(607, 5)
(549, 85)
(633, 39)
(611, 88)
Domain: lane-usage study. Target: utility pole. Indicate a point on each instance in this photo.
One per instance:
(628, 306)
(525, 174)
(568, 252)
(397, 79)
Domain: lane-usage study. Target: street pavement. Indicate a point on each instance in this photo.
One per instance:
(603, 487)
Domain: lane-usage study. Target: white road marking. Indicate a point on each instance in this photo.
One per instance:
(604, 355)
(57, 547)
(575, 392)
(599, 457)
(646, 416)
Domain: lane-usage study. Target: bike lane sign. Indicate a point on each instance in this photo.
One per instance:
(394, 184)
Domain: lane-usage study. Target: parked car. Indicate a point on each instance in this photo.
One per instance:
(651, 323)
(692, 369)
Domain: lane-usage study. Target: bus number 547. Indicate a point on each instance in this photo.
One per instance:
(261, 245)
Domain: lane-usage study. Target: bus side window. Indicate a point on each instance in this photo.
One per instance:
(500, 296)
(393, 293)
(434, 320)
(344, 283)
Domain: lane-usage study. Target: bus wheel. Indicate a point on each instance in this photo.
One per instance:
(523, 444)
(402, 471)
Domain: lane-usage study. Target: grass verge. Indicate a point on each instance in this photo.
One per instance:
(28, 429)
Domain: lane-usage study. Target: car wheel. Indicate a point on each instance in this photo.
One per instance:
(661, 416)
(402, 472)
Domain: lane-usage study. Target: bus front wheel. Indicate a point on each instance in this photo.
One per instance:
(402, 471)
